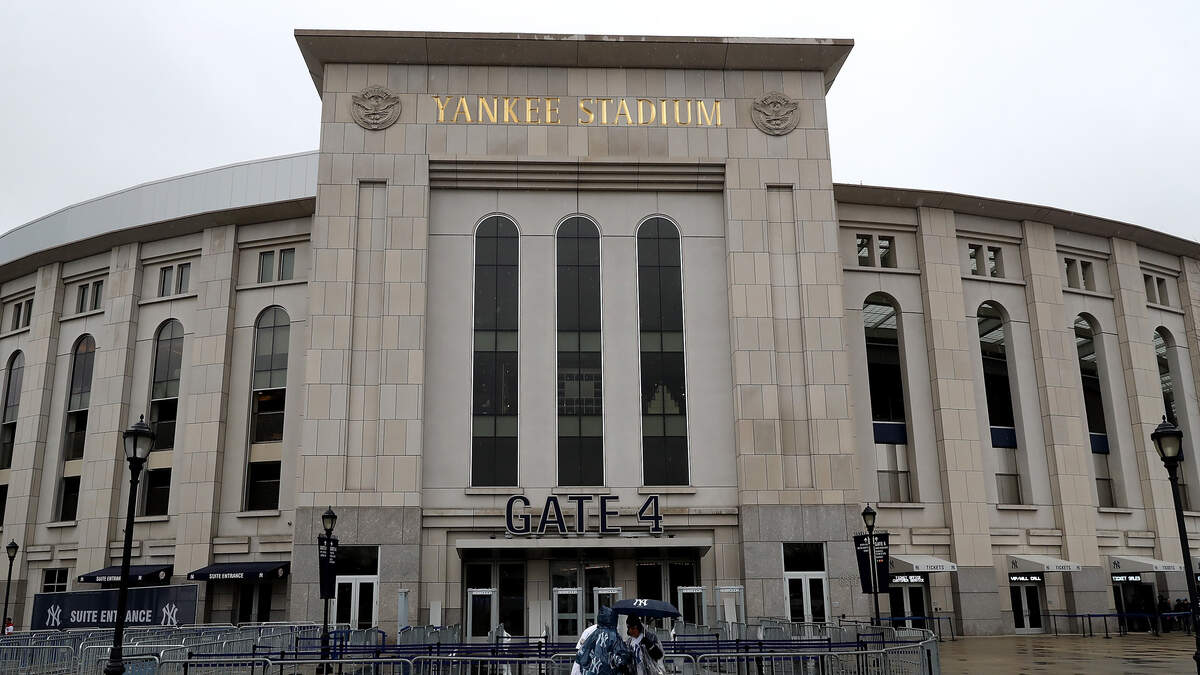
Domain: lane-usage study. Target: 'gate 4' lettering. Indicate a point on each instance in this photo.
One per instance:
(518, 520)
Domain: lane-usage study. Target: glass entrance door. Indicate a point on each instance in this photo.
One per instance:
(807, 597)
(357, 601)
(1026, 607)
(482, 613)
(568, 620)
(907, 600)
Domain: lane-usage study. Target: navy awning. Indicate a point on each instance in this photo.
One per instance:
(241, 571)
(137, 574)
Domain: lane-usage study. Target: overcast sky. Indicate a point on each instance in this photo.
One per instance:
(1089, 106)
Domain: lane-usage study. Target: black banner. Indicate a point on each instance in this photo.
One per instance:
(147, 606)
(327, 565)
(862, 550)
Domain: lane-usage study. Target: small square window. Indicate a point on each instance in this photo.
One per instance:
(262, 486)
(184, 278)
(1088, 275)
(995, 262)
(97, 294)
(266, 267)
(864, 244)
(887, 251)
(81, 303)
(287, 263)
(974, 262)
(54, 580)
(166, 283)
(158, 492)
(68, 503)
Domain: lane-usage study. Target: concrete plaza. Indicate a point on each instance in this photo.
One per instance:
(1137, 653)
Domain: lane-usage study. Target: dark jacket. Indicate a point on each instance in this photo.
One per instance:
(604, 652)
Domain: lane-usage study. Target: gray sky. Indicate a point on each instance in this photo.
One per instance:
(1089, 106)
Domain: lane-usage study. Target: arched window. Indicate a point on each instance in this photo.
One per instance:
(664, 403)
(580, 392)
(993, 325)
(83, 358)
(494, 399)
(886, 375)
(1093, 406)
(272, 333)
(12, 405)
(164, 389)
(1163, 343)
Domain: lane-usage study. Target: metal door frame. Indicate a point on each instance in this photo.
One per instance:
(494, 610)
(580, 610)
(356, 580)
(739, 593)
(694, 590)
(805, 578)
(1025, 608)
(618, 591)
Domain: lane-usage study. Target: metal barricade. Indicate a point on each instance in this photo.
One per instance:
(37, 659)
(480, 665)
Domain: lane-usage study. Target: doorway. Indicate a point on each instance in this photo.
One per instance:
(1026, 607)
(357, 601)
(1135, 597)
(567, 619)
(907, 599)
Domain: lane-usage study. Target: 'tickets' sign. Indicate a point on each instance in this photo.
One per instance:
(147, 606)
(862, 549)
(554, 517)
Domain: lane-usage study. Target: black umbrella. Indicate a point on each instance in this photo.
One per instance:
(640, 607)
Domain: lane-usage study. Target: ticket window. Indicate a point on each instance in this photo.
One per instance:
(1027, 595)
(908, 594)
(1134, 594)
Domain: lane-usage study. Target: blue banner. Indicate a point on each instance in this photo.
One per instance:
(147, 606)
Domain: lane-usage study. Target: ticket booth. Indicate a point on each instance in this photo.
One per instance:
(1135, 588)
(909, 589)
(1027, 588)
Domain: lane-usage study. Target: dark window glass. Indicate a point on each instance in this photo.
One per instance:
(81, 303)
(163, 415)
(267, 416)
(3, 502)
(649, 581)
(81, 373)
(580, 388)
(494, 428)
(54, 580)
(245, 608)
(12, 404)
(158, 492)
(357, 561)
(270, 376)
(266, 267)
(97, 294)
(263, 614)
(28, 312)
(512, 597)
(660, 302)
(995, 366)
(1164, 375)
(804, 557)
(166, 283)
(69, 501)
(262, 486)
(883, 360)
(287, 263)
(164, 392)
(185, 278)
(16, 317)
(1093, 396)
(76, 434)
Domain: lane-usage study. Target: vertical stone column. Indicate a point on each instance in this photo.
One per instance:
(960, 455)
(198, 496)
(33, 425)
(365, 375)
(101, 513)
(1068, 450)
(794, 435)
(1135, 334)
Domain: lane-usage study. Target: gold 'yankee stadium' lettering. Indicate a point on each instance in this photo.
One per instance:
(594, 110)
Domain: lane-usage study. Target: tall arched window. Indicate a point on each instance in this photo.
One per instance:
(494, 398)
(83, 357)
(580, 393)
(1163, 343)
(164, 389)
(272, 333)
(1093, 406)
(664, 404)
(12, 404)
(993, 324)
(886, 375)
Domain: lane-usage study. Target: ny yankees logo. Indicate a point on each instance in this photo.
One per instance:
(170, 613)
(54, 616)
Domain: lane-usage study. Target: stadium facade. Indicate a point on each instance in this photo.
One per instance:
(549, 320)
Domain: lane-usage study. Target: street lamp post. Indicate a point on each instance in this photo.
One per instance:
(139, 439)
(1168, 441)
(868, 516)
(11, 550)
(328, 521)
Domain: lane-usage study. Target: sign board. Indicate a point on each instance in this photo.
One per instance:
(519, 521)
(327, 548)
(1026, 576)
(862, 550)
(147, 606)
(1117, 578)
(908, 579)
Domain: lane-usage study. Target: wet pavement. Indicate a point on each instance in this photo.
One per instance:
(1137, 653)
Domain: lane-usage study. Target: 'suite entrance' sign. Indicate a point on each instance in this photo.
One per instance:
(591, 111)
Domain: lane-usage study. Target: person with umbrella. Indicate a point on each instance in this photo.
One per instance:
(604, 652)
(647, 651)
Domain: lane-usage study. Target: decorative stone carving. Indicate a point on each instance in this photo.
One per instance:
(375, 108)
(775, 114)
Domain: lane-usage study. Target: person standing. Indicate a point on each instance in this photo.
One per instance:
(579, 645)
(8, 625)
(647, 650)
(604, 652)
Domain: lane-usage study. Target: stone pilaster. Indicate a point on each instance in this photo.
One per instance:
(1068, 451)
(33, 425)
(197, 499)
(1135, 334)
(105, 478)
(960, 455)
